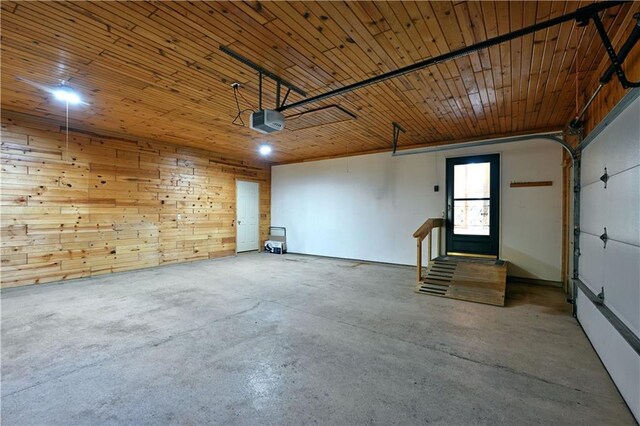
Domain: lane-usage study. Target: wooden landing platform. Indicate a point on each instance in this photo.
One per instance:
(474, 280)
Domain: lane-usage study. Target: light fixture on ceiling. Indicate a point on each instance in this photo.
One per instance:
(63, 93)
(67, 95)
(60, 92)
(265, 150)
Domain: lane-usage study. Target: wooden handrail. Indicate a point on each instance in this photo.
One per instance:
(423, 232)
(426, 227)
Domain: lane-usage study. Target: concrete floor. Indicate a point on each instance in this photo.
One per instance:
(267, 339)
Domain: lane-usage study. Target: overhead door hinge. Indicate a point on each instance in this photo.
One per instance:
(604, 237)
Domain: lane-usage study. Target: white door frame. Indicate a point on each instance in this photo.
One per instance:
(236, 215)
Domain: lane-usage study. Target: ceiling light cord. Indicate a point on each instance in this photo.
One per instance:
(244, 99)
(578, 42)
(577, 70)
(237, 120)
(238, 115)
(67, 126)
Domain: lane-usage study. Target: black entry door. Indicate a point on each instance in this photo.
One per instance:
(473, 186)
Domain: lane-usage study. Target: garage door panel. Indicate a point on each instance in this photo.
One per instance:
(593, 211)
(622, 282)
(617, 207)
(591, 262)
(615, 268)
(620, 359)
(620, 150)
(623, 201)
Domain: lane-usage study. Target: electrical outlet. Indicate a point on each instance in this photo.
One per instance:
(178, 216)
(436, 188)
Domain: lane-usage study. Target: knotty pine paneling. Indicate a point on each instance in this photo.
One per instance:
(136, 61)
(102, 205)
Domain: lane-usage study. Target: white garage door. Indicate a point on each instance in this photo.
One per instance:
(615, 266)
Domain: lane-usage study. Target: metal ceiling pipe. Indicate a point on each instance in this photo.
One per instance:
(580, 14)
(261, 70)
(551, 136)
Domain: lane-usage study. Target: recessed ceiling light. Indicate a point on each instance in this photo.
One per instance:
(265, 150)
(67, 95)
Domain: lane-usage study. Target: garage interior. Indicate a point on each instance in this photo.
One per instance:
(320, 212)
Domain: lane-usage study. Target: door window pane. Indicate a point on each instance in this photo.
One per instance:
(471, 180)
(471, 217)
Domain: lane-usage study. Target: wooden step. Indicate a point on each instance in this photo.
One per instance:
(483, 282)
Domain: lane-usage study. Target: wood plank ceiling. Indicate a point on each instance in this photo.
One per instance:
(154, 69)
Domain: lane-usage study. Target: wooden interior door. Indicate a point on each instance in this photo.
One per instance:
(248, 216)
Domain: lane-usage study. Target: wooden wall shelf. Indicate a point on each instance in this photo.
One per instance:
(527, 184)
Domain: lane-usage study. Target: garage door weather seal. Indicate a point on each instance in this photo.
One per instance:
(621, 327)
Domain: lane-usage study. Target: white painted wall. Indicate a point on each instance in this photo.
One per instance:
(615, 268)
(367, 207)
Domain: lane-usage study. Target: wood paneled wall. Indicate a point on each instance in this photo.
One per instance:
(101, 204)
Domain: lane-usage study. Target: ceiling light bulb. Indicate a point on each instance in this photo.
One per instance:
(265, 150)
(67, 95)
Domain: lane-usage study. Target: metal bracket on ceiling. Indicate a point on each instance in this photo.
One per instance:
(617, 59)
(286, 95)
(575, 127)
(322, 108)
(396, 133)
(262, 72)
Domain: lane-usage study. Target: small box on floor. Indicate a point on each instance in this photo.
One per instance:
(277, 242)
(276, 247)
